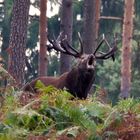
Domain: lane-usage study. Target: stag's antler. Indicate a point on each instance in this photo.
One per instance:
(111, 51)
(63, 46)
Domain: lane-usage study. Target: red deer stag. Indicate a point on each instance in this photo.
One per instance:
(79, 80)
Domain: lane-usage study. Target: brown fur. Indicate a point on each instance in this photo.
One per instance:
(78, 81)
(47, 80)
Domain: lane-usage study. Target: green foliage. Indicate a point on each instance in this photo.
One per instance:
(135, 90)
(33, 34)
(108, 76)
(53, 67)
(58, 113)
(110, 8)
(129, 105)
(4, 75)
(5, 26)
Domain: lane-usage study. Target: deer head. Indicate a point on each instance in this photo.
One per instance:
(85, 61)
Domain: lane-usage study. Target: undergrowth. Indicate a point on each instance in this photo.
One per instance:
(56, 113)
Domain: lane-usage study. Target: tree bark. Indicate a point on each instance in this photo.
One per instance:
(43, 39)
(18, 39)
(66, 28)
(89, 33)
(97, 17)
(126, 49)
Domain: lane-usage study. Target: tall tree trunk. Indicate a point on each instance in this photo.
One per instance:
(66, 28)
(126, 49)
(97, 17)
(18, 39)
(43, 39)
(89, 33)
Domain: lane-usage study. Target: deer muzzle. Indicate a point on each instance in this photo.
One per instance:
(91, 62)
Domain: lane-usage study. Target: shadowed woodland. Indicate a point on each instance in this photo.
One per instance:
(69, 70)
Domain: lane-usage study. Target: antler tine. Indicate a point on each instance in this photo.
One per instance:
(111, 51)
(69, 49)
(65, 45)
(100, 43)
(81, 44)
(59, 37)
(69, 46)
(54, 44)
(62, 46)
(107, 55)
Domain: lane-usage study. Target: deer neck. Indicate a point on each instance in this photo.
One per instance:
(79, 83)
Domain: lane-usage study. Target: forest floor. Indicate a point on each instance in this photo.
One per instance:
(54, 114)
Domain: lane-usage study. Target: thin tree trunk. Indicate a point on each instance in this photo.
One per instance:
(97, 17)
(89, 33)
(126, 49)
(43, 39)
(66, 28)
(18, 39)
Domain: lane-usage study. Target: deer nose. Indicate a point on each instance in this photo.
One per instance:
(91, 59)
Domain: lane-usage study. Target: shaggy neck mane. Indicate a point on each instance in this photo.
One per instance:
(79, 82)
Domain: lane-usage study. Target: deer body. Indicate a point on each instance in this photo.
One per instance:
(79, 80)
(57, 82)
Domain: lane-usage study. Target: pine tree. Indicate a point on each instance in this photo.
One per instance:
(126, 49)
(66, 28)
(18, 39)
(43, 39)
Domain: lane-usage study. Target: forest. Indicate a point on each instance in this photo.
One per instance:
(69, 70)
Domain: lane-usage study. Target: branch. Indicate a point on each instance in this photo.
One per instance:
(110, 17)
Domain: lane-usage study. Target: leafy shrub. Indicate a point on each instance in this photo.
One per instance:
(57, 114)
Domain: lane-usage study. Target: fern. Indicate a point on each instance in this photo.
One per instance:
(58, 113)
(129, 104)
